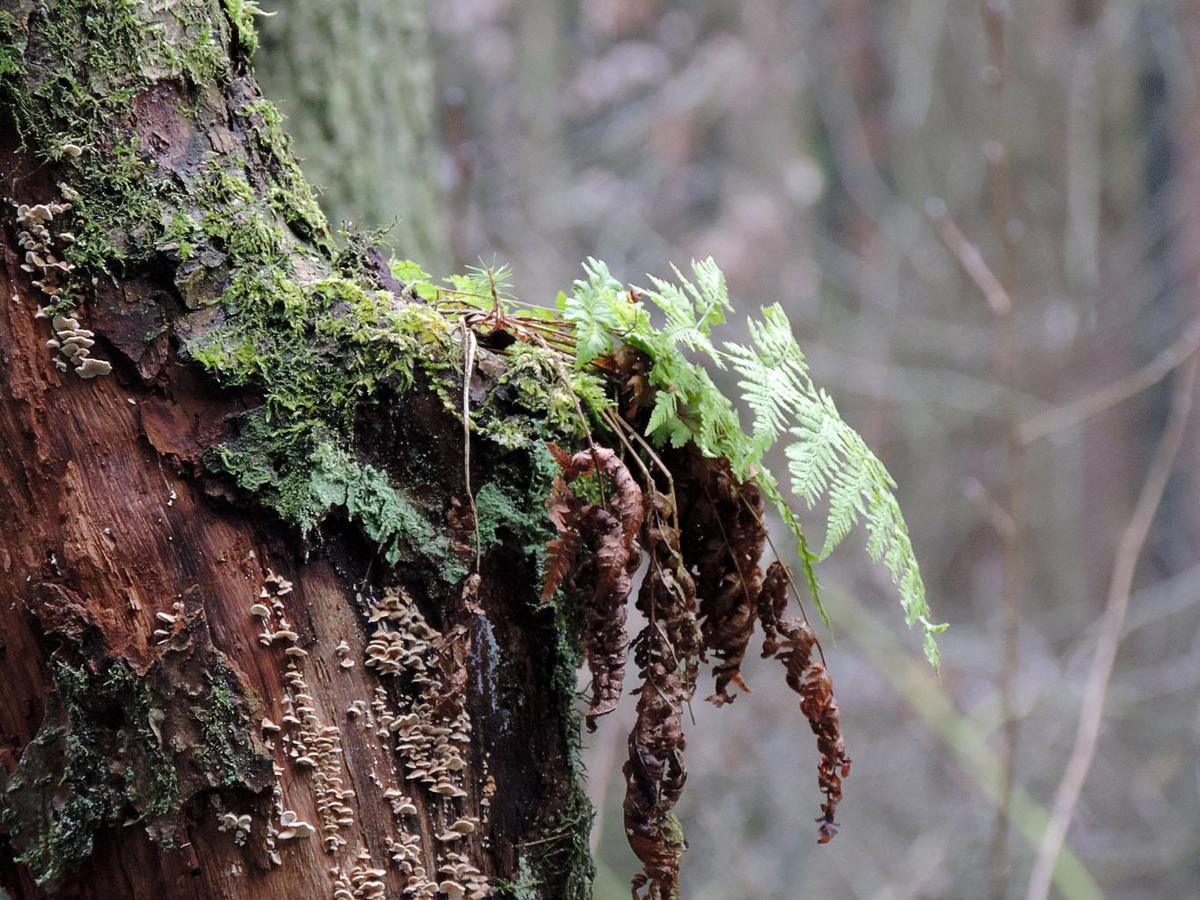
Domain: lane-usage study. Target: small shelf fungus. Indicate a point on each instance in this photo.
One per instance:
(238, 826)
(72, 342)
(291, 826)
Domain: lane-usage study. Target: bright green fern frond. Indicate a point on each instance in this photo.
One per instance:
(847, 501)
(590, 308)
(827, 459)
(481, 285)
(692, 309)
(815, 455)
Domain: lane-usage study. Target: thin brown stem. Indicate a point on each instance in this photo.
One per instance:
(969, 258)
(468, 370)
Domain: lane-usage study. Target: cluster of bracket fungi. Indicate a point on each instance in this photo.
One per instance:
(420, 724)
(72, 341)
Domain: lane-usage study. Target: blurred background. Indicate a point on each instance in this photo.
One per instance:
(976, 214)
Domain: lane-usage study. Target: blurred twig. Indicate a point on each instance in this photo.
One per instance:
(961, 735)
(968, 257)
(1063, 417)
(1091, 714)
(995, 16)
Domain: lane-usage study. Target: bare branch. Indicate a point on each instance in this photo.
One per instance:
(968, 257)
(1063, 417)
(1091, 714)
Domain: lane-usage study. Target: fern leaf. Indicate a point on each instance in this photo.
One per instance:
(826, 458)
(815, 455)
(590, 309)
(692, 309)
(665, 410)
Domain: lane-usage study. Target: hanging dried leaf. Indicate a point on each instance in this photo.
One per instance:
(654, 779)
(723, 539)
(668, 596)
(792, 642)
(603, 575)
(667, 653)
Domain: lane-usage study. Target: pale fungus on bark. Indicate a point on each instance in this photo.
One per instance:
(73, 342)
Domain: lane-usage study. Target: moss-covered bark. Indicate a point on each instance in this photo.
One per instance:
(276, 451)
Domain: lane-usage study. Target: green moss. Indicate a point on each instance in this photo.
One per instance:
(288, 193)
(557, 860)
(118, 212)
(514, 501)
(304, 476)
(241, 13)
(120, 746)
(202, 58)
(108, 767)
(542, 396)
(11, 47)
(225, 752)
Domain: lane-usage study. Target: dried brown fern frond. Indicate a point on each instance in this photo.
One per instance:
(603, 575)
(654, 779)
(668, 595)
(722, 536)
(793, 643)
(667, 653)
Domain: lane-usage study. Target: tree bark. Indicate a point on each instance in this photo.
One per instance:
(243, 648)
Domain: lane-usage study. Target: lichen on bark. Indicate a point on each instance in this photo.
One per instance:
(123, 746)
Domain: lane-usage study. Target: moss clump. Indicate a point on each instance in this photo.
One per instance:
(11, 45)
(225, 752)
(241, 14)
(306, 476)
(96, 757)
(289, 194)
(557, 860)
(514, 502)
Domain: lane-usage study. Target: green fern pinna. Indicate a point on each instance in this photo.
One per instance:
(826, 458)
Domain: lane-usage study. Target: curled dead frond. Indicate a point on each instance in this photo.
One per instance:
(668, 595)
(667, 653)
(723, 538)
(603, 576)
(793, 643)
(654, 779)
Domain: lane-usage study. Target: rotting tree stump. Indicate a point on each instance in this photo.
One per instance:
(204, 697)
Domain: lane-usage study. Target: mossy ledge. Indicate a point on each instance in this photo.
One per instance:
(146, 119)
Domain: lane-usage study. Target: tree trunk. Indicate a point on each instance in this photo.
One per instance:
(355, 78)
(248, 647)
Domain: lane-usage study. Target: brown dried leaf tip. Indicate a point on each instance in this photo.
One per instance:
(603, 575)
(667, 652)
(723, 538)
(792, 642)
